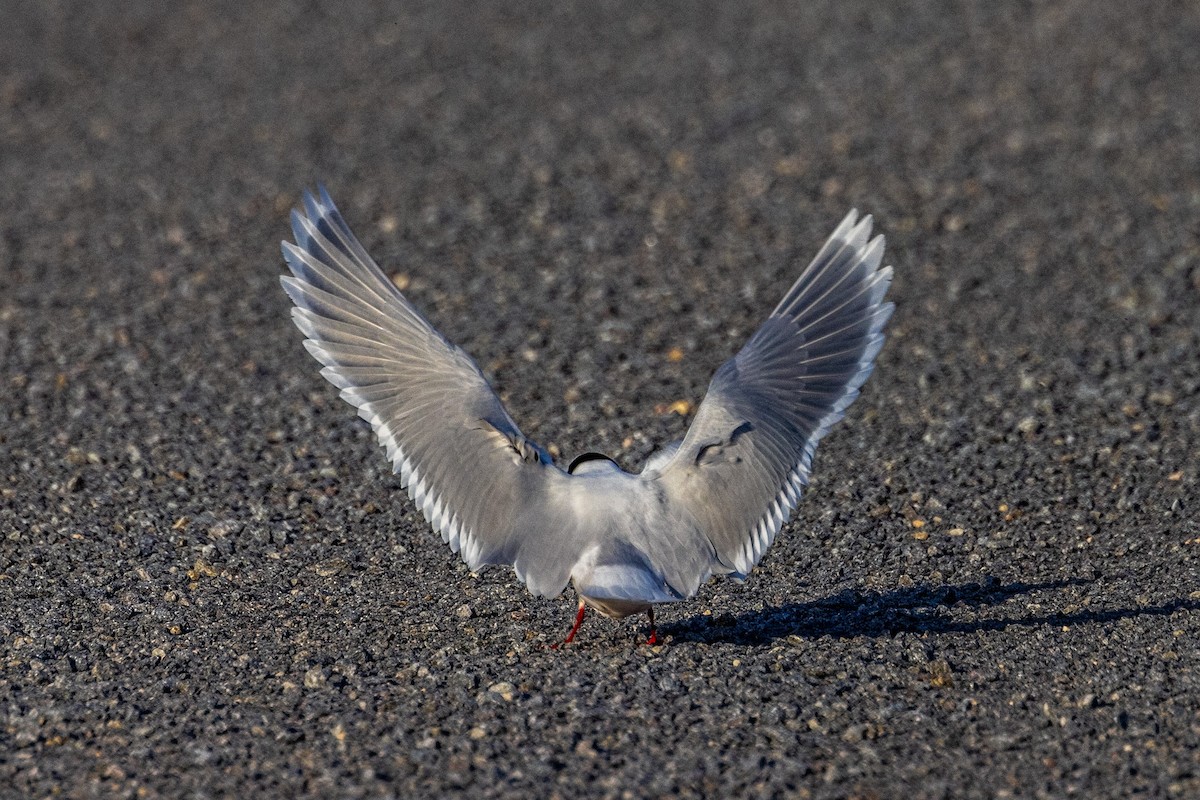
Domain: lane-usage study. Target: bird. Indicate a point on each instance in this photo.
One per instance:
(706, 506)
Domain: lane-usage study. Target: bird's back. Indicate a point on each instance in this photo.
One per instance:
(634, 545)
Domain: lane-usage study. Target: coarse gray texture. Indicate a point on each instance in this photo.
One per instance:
(212, 585)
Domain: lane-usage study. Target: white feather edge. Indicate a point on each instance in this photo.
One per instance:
(444, 520)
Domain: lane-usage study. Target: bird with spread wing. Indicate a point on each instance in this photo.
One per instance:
(708, 505)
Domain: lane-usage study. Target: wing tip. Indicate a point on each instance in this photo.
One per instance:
(326, 200)
(315, 204)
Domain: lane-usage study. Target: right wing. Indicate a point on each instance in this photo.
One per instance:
(482, 485)
(740, 470)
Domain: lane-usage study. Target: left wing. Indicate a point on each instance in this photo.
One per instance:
(493, 495)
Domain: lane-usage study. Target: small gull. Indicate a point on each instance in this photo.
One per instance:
(710, 504)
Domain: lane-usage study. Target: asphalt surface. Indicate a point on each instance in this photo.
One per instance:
(211, 585)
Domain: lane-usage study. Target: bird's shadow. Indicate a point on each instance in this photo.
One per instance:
(920, 609)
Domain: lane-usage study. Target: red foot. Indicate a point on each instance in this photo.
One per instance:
(653, 630)
(574, 629)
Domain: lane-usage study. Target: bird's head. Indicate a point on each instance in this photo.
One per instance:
(591, 463)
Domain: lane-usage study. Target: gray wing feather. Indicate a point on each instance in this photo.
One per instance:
(481, 484)
(746, 458)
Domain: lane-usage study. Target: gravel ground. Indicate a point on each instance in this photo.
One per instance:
(211, 585)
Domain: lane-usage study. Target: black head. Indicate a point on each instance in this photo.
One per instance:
(586, 457)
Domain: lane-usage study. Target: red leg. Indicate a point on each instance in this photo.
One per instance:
(574, 628)
(653, 630)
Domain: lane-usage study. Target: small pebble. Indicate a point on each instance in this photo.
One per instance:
(504, 689)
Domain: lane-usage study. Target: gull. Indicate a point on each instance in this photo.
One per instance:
(708, 505)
